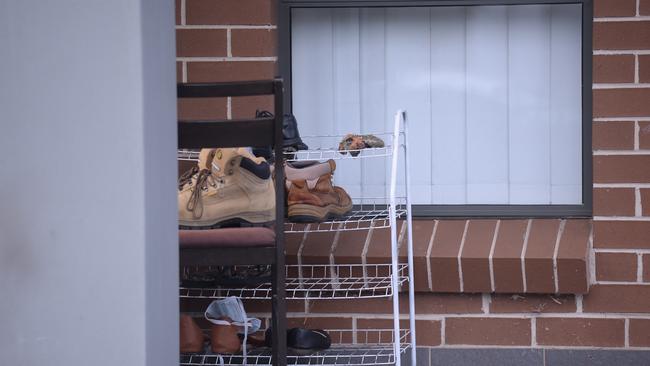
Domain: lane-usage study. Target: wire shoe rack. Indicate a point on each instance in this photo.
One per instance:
(368, 214)
(342, 281)
(339, 282)
(372, 347)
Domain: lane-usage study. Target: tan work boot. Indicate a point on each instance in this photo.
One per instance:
(230, 186)
(311, 197)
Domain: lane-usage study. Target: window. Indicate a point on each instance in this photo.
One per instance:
(495, 94)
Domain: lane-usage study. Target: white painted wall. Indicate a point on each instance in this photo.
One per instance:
(88, 241)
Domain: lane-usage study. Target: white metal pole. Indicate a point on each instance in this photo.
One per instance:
(393, 239)
(409, 233)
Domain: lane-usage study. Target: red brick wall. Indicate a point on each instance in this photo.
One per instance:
(225, 40)
(222, 40)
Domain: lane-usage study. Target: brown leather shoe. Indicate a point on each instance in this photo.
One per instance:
(311, 197)
(192, 337)
(224, 338)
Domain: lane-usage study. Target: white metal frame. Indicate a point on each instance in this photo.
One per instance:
(400, 119)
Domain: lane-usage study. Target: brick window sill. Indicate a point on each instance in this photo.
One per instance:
(543, 256)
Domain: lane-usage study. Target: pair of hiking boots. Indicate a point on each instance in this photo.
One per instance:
(232, 186)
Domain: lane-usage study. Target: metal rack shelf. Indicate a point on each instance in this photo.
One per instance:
(320, 154)
(188, 154)
(325, 147)
(372, 347)
(341, 281)
(335, 154)
(362, 217)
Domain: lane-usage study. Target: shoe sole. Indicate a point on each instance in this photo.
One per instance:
(245, 218)
(308, 213)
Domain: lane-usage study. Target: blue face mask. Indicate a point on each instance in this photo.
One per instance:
(232, 307)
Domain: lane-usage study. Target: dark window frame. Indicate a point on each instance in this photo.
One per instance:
(503, 211)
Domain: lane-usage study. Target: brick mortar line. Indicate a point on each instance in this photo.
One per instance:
(556, 250)
(301, 247)
(233, 26)
(637, 18)
(401, 236)
(621, 152)
(227, 59)
(523, 255)
(579, 305)
(622, 218)
(591, 259)
(364, 251)
(638, 209)
(183, 12)
(538, 347)
(441, 317)
(332, 265)
(637, 131)
(622, 283)
(626, 342)
(639, 267)
(608, 86)
(429, 251)
(486, 299)
(620, 52)
(622, 119)
(334, 245)
(621, 185)
(229, 43)
(184, 71)
(636, 69)
(491, 255)
(460, 253)
(623, 251)
(443, 331)
(533, 332)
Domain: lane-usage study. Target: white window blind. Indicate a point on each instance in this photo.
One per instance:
(493, 95)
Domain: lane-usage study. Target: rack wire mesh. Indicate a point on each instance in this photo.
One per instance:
(360, 347)
(366, 213)
(322, 149)
(340, 281)
(188, 154)
(335, 154)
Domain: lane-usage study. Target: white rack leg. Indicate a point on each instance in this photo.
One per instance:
(393, 239)
(409, 232)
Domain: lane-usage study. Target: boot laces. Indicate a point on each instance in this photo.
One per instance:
(204, 178)
(195, 204)
(186, 177)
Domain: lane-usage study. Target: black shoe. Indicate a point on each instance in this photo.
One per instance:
(289, 130)
(304, 340)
